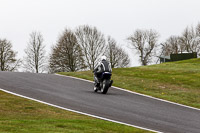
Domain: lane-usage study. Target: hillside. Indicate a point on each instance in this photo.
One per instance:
(175, 81)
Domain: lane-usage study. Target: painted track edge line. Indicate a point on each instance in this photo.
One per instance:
(71, 110)
(135, 93)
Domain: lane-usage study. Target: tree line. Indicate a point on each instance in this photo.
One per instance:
(75, 50)
(81, 49)
(145, 42)
(188, 41)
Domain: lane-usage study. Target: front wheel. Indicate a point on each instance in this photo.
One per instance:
(105, 86)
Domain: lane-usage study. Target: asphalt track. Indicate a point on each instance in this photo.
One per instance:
(117, 105)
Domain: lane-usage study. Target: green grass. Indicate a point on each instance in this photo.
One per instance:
(19, 115)
(175, 81)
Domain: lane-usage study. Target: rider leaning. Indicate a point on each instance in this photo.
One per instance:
(103, 66)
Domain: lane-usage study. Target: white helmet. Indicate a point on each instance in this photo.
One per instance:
(103, 57)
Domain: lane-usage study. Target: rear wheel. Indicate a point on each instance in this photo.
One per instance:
(105, 86)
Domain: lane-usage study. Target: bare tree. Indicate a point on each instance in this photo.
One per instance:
(35, 60)
(188, 39)
(198, 29)
(8, 61)
(67, 54)
(144, 41)
(198, 38)
(92, 43)
(172, 46)
(117, 56)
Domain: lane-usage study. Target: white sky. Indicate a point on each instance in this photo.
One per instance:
(117, 18)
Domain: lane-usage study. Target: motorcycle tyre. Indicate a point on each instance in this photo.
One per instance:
(106, 84)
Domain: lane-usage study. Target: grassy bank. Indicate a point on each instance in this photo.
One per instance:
(19, 115)
(176, 81)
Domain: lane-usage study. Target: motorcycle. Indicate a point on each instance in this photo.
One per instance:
(104, 83)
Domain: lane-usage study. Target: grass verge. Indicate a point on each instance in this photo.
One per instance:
(175, 81)
(18, 115)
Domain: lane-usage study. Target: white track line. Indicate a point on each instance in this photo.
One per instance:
(136, 93)
(94, 116)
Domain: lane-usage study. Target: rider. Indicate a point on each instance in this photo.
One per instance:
(103, 66)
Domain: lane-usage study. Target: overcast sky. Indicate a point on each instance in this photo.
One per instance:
(117, 18)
